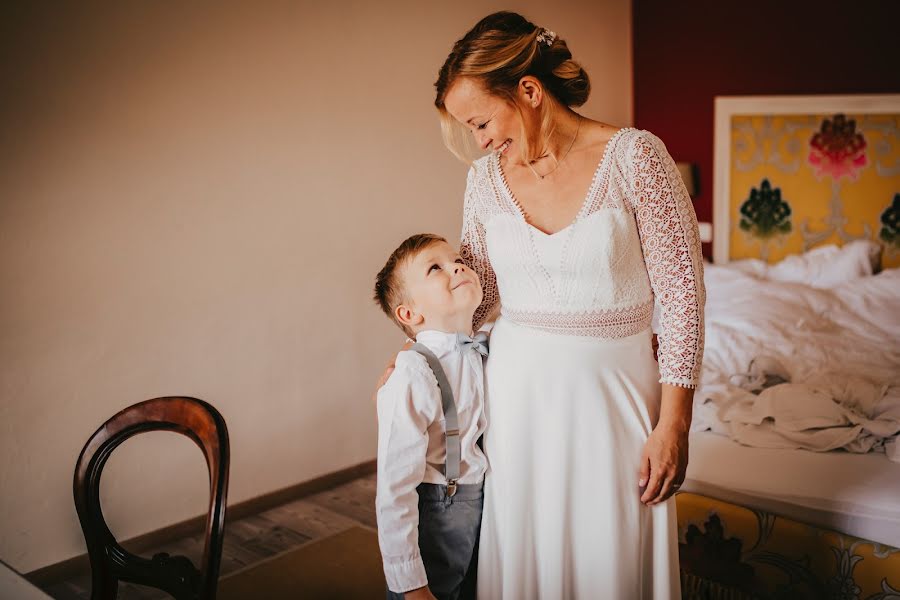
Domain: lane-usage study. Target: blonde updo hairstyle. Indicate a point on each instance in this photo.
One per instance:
(500, 50)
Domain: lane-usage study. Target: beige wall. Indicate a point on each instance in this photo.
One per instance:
(195, 202)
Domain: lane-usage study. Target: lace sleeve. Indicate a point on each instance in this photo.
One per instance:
(670, 243)
(473, 249)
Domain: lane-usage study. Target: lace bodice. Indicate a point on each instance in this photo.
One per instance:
(634, 240)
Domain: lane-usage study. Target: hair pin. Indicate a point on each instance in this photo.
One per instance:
(546, 37)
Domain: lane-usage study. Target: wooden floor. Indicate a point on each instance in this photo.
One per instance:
(257, 537)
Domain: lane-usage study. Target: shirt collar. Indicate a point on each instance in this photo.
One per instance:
(439, 342)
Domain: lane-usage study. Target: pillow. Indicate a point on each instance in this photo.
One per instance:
(828, 266)
(822, 267)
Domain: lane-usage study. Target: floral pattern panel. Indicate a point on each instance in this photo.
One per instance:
(800, 181)
(730, 551)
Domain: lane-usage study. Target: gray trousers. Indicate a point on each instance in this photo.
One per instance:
(448, 539)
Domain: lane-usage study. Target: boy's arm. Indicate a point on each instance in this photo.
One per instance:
(406, 406)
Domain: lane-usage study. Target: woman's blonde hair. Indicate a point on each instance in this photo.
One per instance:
(500, 50)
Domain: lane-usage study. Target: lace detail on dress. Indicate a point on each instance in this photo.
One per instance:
(671, 245)
(611, 324)
(473, 247)
(635, 238)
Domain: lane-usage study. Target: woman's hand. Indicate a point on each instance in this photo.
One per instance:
(663, 464)
(389, 369)
(665, 456)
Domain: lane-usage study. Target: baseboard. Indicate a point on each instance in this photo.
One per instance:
(78, 565)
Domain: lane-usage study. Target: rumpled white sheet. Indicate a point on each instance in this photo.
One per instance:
(838, 347)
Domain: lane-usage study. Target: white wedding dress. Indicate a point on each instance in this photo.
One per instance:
(573, 389)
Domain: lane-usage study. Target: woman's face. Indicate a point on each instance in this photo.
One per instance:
(491, 119)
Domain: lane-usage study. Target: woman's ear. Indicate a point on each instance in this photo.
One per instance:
(530, 91)
(407, 316)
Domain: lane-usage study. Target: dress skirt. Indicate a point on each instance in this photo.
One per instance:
(567, 420)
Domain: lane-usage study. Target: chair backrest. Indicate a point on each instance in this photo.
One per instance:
(110, 563)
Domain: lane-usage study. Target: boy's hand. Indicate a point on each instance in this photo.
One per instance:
(388, 370)
(423, 593)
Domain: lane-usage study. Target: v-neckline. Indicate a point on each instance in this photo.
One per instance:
(590, 191)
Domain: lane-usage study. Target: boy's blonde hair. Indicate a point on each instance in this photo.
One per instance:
(389, 290)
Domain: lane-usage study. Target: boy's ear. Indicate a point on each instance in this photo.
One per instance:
(408, 316)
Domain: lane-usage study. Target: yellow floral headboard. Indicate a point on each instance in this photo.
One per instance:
(795, 172)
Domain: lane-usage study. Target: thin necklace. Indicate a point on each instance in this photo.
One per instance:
(558, 162)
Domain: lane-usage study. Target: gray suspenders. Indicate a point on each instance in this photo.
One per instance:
(451, 421)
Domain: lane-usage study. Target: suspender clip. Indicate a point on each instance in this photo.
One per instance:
(451, 487)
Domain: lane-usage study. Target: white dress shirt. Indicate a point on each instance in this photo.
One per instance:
(411, 446)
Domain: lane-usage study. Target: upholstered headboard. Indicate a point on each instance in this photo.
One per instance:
(795, 172)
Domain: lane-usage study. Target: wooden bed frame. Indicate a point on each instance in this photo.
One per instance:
(736, 552)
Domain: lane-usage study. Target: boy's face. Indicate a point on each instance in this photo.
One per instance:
(441, 292)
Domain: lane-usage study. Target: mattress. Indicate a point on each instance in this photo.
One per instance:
(857, 494)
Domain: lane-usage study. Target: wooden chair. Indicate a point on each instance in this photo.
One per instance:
(110, 563)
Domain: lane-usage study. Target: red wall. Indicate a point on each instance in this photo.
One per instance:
(686, 53)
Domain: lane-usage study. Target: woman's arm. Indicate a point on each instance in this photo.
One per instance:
(671, 245)
(473, 250)
(670, 241)
(665, 456)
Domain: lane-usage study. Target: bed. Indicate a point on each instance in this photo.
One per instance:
(793, 484)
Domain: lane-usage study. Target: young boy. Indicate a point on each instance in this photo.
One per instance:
(430, 418)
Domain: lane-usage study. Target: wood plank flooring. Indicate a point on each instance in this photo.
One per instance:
(257, 537)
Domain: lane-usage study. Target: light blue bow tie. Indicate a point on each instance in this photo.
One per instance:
(478, 343)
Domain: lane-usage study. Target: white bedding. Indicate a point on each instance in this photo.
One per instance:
(841, 338)
(852, 327)
(839, 348)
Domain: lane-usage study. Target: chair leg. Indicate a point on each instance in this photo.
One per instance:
(104, 589)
